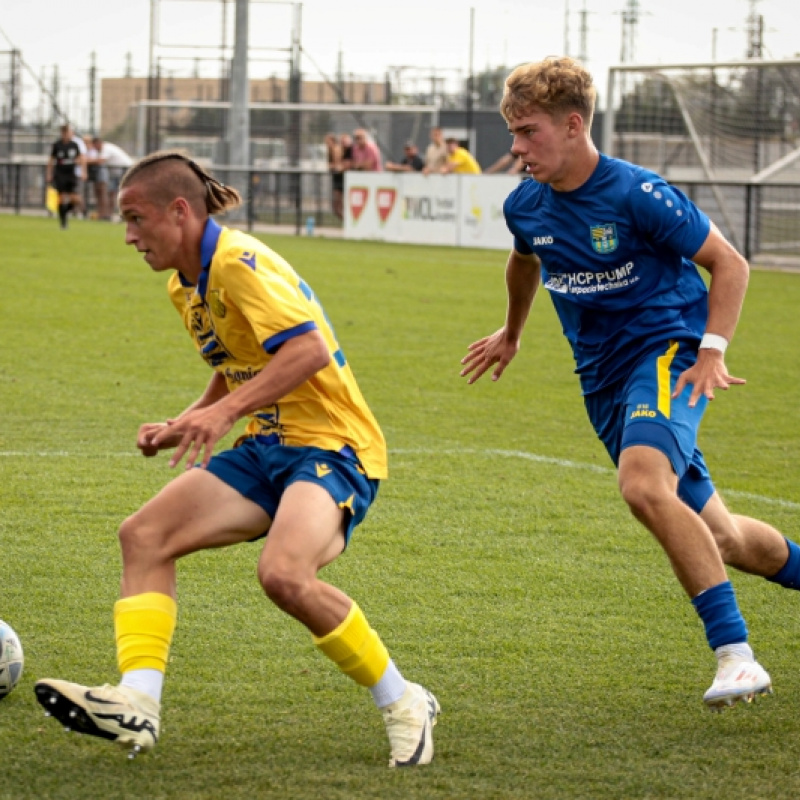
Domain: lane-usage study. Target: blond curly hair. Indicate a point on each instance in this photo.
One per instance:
(556, 85)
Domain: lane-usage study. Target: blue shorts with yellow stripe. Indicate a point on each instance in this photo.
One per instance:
(640, 411)
(261, 471)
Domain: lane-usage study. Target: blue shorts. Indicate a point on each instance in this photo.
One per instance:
(261, 472)
(640, 411)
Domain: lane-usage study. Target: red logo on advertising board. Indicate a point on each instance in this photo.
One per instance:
(385, 199)
(358, 196)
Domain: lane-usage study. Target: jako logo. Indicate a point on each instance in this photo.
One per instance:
(540, 240)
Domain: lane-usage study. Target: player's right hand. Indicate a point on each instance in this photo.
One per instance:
(486, 352)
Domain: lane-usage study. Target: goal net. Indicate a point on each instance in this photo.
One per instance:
(728, 133)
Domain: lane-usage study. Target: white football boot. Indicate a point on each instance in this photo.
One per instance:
(124, 715)
(409, 724)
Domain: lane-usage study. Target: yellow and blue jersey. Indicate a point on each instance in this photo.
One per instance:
(246, 304)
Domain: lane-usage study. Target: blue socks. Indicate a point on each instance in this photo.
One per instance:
(720, 614)
(789, 575)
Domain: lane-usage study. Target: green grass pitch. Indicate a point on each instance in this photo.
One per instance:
(498, 563)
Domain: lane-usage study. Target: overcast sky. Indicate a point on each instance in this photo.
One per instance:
(376, 37)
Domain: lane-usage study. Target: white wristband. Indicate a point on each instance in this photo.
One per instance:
(711, 341)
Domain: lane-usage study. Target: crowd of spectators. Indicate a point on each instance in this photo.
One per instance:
(359, 151)
(442, 156)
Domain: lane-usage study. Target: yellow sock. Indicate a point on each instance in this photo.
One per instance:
(143, 626)
(356, 648)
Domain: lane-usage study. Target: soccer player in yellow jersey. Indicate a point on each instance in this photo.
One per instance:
(305, 472)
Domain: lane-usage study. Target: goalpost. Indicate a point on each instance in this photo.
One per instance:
(728, 133)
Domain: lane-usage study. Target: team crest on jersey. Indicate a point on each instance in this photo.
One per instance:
(604, 237)
(216, 305)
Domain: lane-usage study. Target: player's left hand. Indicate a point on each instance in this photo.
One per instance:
(708, 373)
(199, 429)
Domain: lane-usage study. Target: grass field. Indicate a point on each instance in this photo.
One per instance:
(498, 564)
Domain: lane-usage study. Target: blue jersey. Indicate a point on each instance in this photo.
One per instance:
(615, 257)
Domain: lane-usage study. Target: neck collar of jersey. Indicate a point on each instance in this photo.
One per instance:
(208, 246)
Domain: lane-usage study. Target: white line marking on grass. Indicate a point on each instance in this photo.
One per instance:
(563, 462)
(423, 451)
(61, 454)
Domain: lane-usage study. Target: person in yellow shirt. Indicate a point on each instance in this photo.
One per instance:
(303, 475)
(459, 160)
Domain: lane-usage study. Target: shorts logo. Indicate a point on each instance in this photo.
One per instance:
(642, 410)
(323, 470)
(604, 237)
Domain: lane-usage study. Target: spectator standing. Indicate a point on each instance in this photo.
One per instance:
(436, 152)
(98, 176)
(334, 148)
(412, 161)
(366, 155)
(346, 141)
(459, 160)
(116, 160)
(65, 167)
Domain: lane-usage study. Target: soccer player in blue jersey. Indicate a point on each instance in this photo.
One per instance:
(616, 247)
(303, 475)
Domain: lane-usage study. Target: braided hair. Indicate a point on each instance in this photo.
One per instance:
(170, 174)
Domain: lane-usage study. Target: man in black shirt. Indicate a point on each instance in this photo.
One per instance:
(65, 167)
(412, 162)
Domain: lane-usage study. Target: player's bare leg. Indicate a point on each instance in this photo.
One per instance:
(307, 534)
(193, 512)
(649, 486)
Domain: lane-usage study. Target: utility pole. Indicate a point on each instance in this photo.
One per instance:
(630, 19)
(471, 80)
(153, 88)
(295, 76)
(92, 93)
(239, 115)
(583, 54)
(755, 32)
(54, 92)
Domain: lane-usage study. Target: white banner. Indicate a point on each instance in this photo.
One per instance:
(465, 210)
(481, 221)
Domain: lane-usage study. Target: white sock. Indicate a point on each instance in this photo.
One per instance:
(390, 688)
(741, 649)
(149, 681)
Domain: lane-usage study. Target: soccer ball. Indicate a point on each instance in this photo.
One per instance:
(11, 659)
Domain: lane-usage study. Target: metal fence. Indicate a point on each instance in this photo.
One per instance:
(272, 197)
(762, 220)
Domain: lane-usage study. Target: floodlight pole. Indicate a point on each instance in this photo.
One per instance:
(471, 82)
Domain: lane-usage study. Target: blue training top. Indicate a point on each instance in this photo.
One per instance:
(615, 258)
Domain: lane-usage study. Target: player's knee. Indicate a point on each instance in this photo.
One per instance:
(643, 495)
(138, 540)
(285, 587)
(728, 539)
